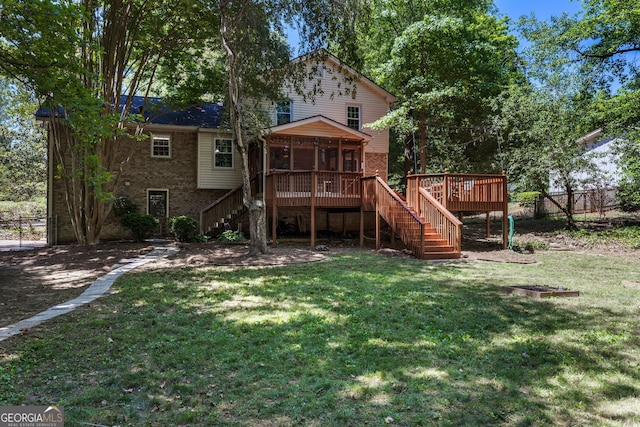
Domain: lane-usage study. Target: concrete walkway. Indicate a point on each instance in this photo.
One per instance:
(98, 288)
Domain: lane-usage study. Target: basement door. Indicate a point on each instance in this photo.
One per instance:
(158, 203)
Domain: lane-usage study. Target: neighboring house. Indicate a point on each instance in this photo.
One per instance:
(601, 153)
(595, 188)
(321, 169)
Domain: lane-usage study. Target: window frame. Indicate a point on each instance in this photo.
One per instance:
(217, 153)
(154, 138)
(279, 112)
(359, 107)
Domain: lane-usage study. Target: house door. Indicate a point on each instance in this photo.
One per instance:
(158, 206)
(158, 203)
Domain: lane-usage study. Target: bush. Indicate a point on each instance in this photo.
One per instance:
(628, 196)
(141, 226)
(231, 236)
(184, 228)
(123, 205)
(528, 199)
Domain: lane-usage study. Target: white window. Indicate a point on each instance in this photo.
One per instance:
(353, 117)
(223, 153)
(284, 113)
(160, 146)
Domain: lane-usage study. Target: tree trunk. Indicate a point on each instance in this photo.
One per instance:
(422, 131)
(566, 210)
(257, 217)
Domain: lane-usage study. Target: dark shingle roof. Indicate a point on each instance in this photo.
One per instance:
(203, 116)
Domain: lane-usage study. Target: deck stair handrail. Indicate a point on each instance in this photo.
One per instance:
(222, 210)
(444, 222)
(400, 217)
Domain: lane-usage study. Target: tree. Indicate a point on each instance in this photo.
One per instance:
(258, 62)
(444, 61)
(22, 145)
(602, 43)
(88, 59)
(540, 126)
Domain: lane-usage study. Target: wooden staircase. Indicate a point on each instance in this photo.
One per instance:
(428, 229)
(216, 217)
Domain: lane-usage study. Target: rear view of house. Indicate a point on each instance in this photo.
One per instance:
(321, 168)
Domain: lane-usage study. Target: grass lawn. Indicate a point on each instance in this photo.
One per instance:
(359, 339)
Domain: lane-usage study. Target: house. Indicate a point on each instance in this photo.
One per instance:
(605, 170)
(322, 169)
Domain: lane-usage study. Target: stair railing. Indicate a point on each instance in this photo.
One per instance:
(400, 217)
(445, 223)
(220, 209)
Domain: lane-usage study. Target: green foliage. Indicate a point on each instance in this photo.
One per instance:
(628, 196)
(628, 236)
(23, 159)
(231, 236)
(528, 199)
(123, 205)
(140, 225)
(87, 59)
(13, 210)
(184, 228)
(444, 61)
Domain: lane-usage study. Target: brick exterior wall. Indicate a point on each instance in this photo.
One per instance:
(376, 162)
(176, 174)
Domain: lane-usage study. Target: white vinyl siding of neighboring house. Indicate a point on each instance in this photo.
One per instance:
(210, 176)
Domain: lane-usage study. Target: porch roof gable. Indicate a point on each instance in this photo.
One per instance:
(318, 126)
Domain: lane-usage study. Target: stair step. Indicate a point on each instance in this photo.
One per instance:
(445, 248)
(442, 255)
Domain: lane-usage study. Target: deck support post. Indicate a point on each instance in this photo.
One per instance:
(445, 189)
(361, 225)
(378, 216)
(488, 224)
(274, 223)
(314, 188)
(505, 211)
(274, 213)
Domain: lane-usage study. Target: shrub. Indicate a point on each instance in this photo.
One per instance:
(231, 236)
(141, 226)
(628, 196)
(528, 199)
(184, 228)
(122, 206)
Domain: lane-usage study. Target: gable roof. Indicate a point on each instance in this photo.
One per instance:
(311, 125)
(322, 53)
(201, 116)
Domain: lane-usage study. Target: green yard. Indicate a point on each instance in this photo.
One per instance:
(357, 340)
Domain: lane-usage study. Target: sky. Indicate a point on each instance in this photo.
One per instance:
(543, 9)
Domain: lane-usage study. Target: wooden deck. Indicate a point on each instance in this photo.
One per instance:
(431, 201)
(314, 188)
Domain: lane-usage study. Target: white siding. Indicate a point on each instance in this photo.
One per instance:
(333, 105)
(210, 177)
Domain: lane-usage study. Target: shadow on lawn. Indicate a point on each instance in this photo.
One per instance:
(355, 340)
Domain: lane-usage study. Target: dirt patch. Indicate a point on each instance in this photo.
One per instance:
(31, 281)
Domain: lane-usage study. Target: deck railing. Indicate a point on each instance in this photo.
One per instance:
(314, 188)
(395, 211)
(461, 192)
(221, 209)
(444, 222)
